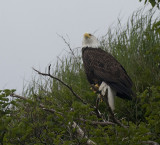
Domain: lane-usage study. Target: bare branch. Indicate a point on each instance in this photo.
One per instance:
(97, 123)
(49, 110)
(18, 96)
(67, 43)
(66, 85)
(81, 134)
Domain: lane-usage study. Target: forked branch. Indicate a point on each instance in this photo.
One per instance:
(63, 83)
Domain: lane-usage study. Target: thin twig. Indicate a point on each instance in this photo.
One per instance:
(67, 43)
(18, 96)
(49, 110)
(70, 88)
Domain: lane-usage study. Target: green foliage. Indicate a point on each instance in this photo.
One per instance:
(136, 46)
(150, 102)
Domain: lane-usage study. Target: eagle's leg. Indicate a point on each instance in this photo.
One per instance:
(95, 89)
(96, 85)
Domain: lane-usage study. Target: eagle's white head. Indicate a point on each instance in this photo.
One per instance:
(89, 40)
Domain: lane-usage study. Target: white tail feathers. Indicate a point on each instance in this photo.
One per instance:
(111, 94)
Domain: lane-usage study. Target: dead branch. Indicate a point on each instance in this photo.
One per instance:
(66, 85)
(97, 122)
(49, 110)
(18, 96)
(81, 134)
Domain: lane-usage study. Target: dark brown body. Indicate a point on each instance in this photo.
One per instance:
(101, 66)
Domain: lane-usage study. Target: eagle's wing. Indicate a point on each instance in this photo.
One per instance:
(106, 68)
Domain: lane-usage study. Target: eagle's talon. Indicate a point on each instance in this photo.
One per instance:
(95, 88)
(96, 85)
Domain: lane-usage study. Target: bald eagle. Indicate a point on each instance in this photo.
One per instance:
(104, 70)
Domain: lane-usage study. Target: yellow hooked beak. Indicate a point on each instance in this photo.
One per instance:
(87, 35)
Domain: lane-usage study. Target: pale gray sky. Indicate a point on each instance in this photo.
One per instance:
(29, 28)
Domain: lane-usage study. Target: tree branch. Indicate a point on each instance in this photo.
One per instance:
(97, 122)
(66, 85)
(68, 44)
(81, 134)
(18, 96)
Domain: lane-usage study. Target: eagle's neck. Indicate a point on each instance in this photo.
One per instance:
(90, 43)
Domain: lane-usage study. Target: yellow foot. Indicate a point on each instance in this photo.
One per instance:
(96, 85)
(95, 88)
